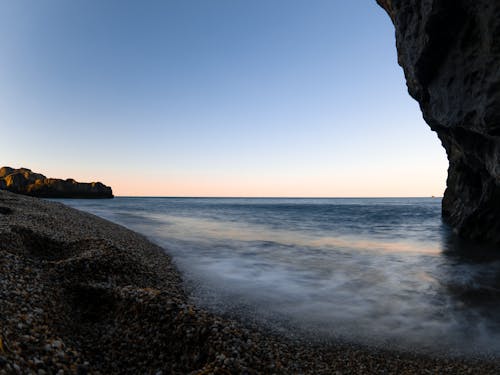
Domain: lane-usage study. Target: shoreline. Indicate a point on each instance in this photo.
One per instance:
(80, 294)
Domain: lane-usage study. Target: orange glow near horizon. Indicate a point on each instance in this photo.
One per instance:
(279, 187)
(375, 182)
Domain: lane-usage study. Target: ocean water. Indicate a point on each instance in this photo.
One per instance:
(383, 272)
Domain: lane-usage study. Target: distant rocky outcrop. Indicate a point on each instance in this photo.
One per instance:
(450, 54)
(24, 181)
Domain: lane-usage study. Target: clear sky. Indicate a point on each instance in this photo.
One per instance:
(213, 98)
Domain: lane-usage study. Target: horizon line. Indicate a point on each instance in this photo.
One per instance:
(270, 197)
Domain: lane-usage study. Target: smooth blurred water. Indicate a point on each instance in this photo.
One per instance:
(377, 271)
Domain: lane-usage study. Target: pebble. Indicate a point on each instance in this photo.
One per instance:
(57, 344)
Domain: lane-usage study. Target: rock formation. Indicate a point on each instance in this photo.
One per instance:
(450, 54)
(24, 181)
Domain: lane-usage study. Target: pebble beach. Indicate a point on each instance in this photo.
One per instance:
(82, 295)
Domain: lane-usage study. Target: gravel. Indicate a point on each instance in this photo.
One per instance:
(81, 295)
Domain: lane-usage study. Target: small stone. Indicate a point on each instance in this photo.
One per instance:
(57, 344)
(37, 361)
(81, 370)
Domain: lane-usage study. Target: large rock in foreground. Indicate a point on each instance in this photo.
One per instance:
(450, 53)
(24, 181)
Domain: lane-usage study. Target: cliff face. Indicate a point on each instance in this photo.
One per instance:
(450, 54)
(24, 181)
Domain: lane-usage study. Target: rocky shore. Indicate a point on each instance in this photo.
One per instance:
(25, 181)
(81, 295)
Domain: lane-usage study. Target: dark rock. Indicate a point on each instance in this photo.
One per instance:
(24, 181)
(5, 210)
(450, 54)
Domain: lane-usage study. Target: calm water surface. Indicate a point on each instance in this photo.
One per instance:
(375, 271)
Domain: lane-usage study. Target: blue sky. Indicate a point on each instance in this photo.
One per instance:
(213, 98)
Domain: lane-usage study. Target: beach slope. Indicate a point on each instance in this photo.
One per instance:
(79, 294)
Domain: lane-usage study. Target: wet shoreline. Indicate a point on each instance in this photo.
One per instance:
(83, 295)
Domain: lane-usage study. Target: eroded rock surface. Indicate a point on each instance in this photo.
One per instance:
(24, 181)
(450, 53)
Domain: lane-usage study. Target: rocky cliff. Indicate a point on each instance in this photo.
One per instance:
(450, 54)
(24, 181)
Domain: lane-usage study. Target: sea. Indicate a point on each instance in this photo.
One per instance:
(383, 272)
